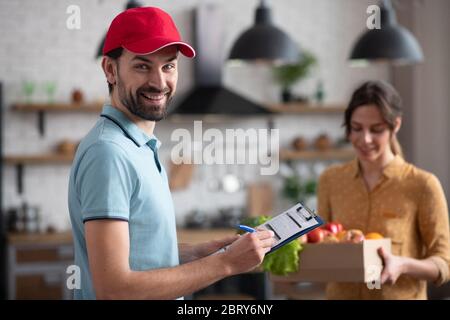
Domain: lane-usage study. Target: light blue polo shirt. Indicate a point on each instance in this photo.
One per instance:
(116, 174)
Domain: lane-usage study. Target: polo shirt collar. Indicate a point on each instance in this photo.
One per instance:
(133, 132)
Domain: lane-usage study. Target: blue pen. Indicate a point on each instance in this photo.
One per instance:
(246, 228)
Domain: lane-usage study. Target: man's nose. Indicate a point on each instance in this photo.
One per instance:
(157, 80)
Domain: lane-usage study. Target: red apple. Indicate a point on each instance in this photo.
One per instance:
(316, 236)
(333, 227)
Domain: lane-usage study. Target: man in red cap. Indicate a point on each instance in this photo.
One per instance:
(120, 205)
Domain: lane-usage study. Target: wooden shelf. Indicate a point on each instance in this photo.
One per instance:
(57, 238)
(299, 108)
(19, 161)
(334, 154)
(42, 108)
(59, 107)
(302, 108)
(51, 158)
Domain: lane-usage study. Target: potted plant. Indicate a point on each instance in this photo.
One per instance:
(289, 74)
(296, 191)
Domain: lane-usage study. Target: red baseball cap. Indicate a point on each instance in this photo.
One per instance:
(144, 30)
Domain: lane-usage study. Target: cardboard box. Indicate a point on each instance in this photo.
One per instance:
(342, 262)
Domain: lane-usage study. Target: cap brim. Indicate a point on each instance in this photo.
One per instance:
(144, 47)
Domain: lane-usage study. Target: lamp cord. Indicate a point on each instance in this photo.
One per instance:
(264, 4)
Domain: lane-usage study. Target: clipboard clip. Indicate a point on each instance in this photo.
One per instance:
(305, 212)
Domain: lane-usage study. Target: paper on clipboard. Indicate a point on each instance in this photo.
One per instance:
(291, 224)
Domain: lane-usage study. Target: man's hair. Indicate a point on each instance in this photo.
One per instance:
(114, 54)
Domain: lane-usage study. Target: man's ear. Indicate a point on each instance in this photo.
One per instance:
(398, 124)
(110, 70)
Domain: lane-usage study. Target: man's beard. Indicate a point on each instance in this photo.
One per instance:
(132, 102)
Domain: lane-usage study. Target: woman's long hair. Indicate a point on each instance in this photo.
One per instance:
(386, 99)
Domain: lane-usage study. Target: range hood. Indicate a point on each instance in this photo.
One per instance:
(209, 96)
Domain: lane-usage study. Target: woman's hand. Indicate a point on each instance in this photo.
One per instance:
(393, 267)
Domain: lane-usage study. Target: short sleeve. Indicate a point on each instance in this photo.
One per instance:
(323, 197)
(105, 182)
(434, 226)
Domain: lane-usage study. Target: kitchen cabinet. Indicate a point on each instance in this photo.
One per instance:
(37, 265)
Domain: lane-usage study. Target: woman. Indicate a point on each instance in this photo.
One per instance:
(380, 192)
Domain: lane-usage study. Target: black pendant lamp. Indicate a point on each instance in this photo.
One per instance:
(130, 4)
(392, 43)
(264, 41)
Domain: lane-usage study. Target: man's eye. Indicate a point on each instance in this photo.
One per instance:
(168, 67)
(142, 67)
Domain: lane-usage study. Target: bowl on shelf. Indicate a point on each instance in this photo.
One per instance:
(323, 143)
(299, 144)
(67, 147)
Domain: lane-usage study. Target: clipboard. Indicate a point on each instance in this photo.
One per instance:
(292, 224)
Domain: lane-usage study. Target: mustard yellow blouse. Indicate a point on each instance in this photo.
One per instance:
(408, 205)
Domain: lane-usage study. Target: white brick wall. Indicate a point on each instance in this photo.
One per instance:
(36, 45)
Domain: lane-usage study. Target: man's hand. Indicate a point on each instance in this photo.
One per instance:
(393, 267)
(248, 251)
(108, 247)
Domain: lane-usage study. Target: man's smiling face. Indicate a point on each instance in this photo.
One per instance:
(145, 84)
